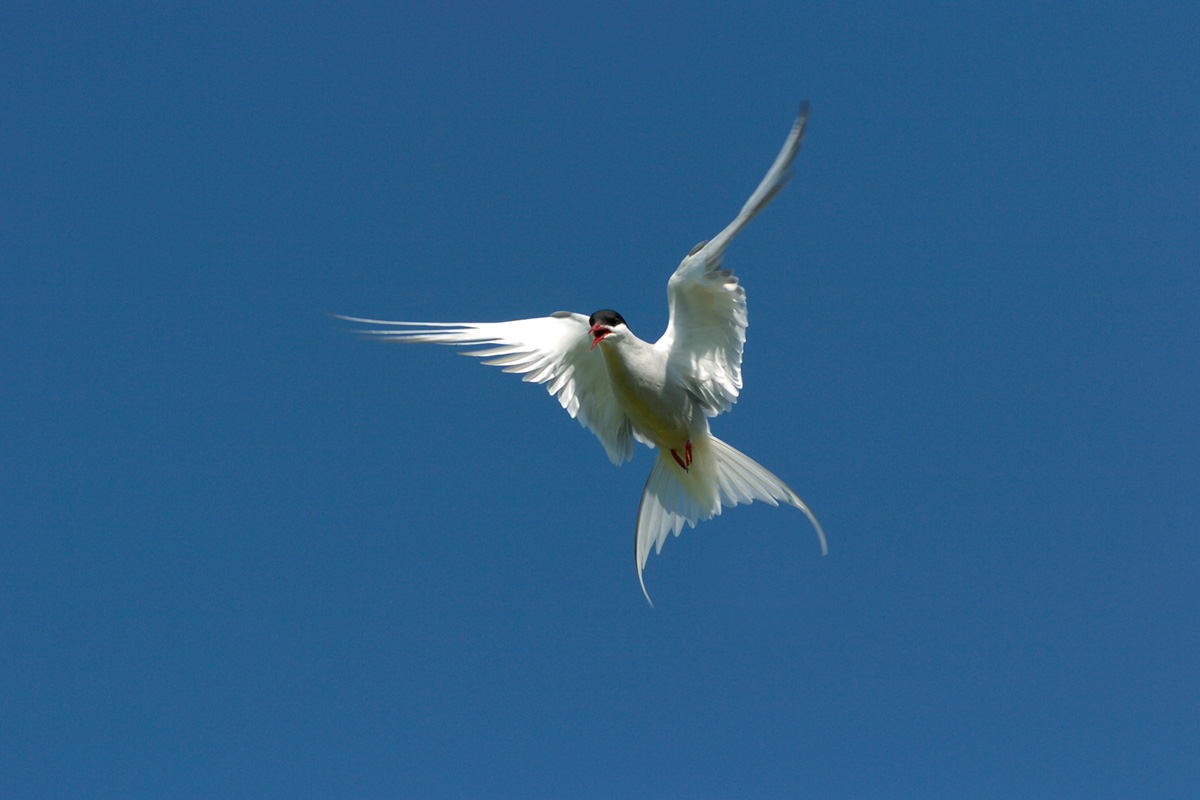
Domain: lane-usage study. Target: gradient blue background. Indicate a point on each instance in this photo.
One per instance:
(246, 554)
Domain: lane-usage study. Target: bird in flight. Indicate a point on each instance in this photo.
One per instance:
(662, 394)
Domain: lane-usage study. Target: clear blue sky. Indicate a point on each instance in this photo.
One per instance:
(246, 554)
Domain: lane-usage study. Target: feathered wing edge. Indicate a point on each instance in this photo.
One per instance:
(549, 350)
(706, 329)
(720, 476)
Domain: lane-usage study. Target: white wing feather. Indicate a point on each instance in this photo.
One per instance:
(707, 326)
(552, 350)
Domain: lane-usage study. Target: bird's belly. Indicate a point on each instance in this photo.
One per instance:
(665, 426)
(662, 412)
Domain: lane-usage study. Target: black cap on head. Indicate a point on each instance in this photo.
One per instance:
(606, 317)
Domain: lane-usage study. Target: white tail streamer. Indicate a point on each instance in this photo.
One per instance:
(719, 476)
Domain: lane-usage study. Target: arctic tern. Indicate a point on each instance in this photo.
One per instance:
(624, 389)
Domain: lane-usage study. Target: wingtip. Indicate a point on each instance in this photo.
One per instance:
(355, 322)
(363, 320)
(801, 123)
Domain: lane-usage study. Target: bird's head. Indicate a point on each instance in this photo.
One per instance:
(606, 323)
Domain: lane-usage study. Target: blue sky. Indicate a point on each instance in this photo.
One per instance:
(248, 554)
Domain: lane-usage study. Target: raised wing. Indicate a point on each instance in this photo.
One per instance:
(551, 350)
(707, 326)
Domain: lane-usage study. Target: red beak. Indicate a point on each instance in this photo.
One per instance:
(598, 331)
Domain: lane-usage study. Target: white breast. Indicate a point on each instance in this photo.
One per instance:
(657, 403)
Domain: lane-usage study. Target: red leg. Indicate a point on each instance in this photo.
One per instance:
(679, 460)
(688, 451)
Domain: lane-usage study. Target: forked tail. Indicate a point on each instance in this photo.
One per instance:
(719, 476)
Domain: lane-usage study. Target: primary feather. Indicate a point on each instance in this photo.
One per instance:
(707, 325)
(549, 350)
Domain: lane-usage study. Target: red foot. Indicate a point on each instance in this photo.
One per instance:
(687, 451)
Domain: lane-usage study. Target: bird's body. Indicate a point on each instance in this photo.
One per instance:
(651, 394)
(662, 394)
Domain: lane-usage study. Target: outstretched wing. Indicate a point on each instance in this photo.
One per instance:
(553, 350)
(707, 327)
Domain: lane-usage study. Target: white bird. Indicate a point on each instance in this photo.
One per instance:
(623, 388)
